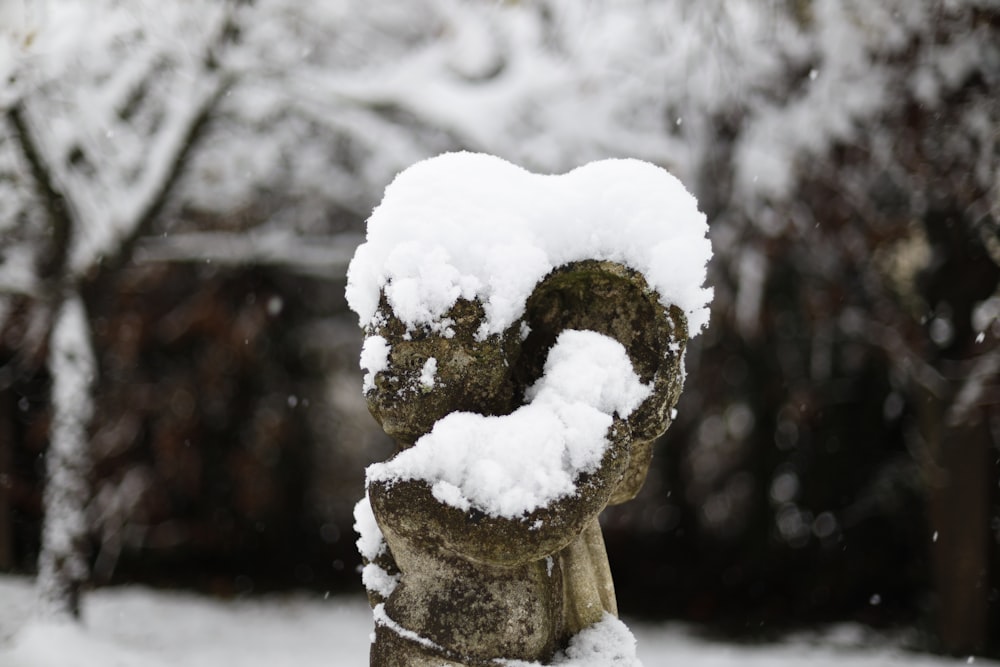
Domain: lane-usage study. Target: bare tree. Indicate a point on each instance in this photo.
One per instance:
(103, 154)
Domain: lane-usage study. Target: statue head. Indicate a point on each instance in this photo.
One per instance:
(430, 371)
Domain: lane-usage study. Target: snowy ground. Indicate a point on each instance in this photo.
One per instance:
(135, 627)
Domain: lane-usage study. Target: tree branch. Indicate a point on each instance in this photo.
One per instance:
(57, 205)
(158, 197)
(326, 257)
(154, 203)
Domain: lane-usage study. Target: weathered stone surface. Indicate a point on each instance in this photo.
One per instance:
(473, 587)
(472, 375)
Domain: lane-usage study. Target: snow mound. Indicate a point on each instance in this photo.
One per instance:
(605, 644)
(467, 225)
(510, 465)
(608, 643)
(55, 644)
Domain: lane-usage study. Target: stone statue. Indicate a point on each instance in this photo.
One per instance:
(524, 345)
(454, 586)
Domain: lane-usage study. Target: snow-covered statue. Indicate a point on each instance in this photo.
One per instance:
(524, 346)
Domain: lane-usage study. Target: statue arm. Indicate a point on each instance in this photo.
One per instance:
(410, 509)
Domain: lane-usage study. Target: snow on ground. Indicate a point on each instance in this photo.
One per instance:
(137, 627)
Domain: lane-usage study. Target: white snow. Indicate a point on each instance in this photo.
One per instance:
(371, 544)
(548, 86)
(323, 256)
(589, 368)
(466, 225)
(605, 644)
(509, 465)
(110, 96)
(137, 627)
(608, 643)
(378, 580)
(374, 359)
(428, 373)
(383, 619)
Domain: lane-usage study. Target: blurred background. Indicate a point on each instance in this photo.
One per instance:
(196, 175)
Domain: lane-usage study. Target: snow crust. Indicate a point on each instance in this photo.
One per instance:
(468, 225)
(510, 465)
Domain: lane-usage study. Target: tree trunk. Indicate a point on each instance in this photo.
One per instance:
(957, 474)
(62, 562)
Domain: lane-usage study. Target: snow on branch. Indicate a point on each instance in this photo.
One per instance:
(323, 256)
(546, 87)
(58, 207)
(110, 103)
(138, 203)
(17, 273)
(332, 99)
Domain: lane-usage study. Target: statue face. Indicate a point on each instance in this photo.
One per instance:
(429, 374)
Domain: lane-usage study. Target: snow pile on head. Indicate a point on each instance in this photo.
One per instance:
(510, 465)
(465, 225)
